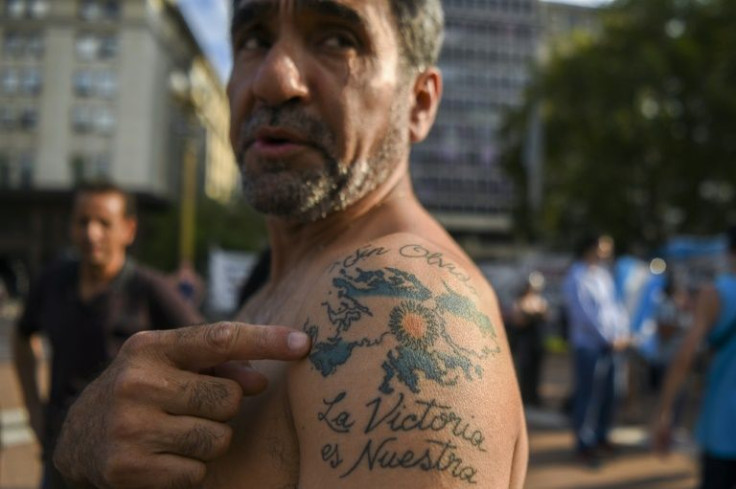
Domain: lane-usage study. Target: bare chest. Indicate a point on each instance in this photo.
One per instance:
(264, 451)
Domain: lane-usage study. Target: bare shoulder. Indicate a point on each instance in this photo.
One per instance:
(409, 382)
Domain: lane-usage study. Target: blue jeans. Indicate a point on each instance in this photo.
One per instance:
(595, 398)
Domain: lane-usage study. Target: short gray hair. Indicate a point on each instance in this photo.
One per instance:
(420, 27)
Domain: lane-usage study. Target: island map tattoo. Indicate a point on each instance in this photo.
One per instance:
(418, 323)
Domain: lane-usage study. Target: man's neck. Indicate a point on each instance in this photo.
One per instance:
(291, 242)
(95, 276)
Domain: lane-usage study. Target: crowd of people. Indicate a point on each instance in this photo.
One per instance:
(685, 329)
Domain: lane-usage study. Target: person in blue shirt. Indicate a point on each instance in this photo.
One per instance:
(599, 330)
(714, 322)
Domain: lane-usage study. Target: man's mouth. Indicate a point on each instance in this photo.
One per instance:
(276, 143)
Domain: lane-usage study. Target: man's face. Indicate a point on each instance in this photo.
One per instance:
(319, 109)
(604, 251)
(99, 228)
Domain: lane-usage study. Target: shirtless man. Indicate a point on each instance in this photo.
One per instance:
(408, 382)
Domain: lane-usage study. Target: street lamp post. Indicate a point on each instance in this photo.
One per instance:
(182, 89)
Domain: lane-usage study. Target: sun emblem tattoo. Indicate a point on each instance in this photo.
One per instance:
(414, 326)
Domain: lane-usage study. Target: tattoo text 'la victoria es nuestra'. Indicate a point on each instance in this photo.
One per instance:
(386, 452)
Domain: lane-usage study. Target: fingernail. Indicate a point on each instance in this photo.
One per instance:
(297, 341)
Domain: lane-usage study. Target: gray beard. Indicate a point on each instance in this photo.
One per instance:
(310, 195)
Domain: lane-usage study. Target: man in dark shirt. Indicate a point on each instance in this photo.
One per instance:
(87, 307)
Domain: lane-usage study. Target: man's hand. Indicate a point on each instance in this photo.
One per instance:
(661, 432)
(153, 418)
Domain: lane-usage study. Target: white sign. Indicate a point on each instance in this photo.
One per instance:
(227, 272)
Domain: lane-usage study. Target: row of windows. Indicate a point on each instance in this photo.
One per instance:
(457, 29)
(88, 119)
(22, 45)
(13, 118)
(489, 203)
(89, 83)
(511, 6)
(96, 10)
(91, 47)
(16, 170)
(88, 47)
(86, 167)
(24, 81)
(33, 9)
(88, 10)
(490, 54)
(487, 79)
(472, 105)
(85, 119)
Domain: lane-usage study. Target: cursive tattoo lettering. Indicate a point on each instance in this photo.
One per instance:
(427, 416)
(438, 260)
(360, 254)
(339, 423)
(440, 456)
(331, 455)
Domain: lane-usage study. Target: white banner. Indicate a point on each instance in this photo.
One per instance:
(227, 272)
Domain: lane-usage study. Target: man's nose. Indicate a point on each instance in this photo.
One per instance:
(93, 231)
(281, 77)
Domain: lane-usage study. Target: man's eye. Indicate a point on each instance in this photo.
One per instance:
(339, 41)
(250, 42)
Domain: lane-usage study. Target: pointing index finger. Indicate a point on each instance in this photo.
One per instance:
(199, 347)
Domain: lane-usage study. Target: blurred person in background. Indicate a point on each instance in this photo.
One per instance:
(529, 315)
(673, 316)
(409, 381)
(599, 332)
(715, 322)
(87, 307)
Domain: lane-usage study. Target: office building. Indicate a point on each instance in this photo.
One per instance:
(489, 50)
(101, 89)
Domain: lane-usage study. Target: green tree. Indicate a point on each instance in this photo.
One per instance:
(639, 124)
(233, 227)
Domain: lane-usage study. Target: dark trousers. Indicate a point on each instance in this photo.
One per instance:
(594, 399)
(717, 473)
(528, 352)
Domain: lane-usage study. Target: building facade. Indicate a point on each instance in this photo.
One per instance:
(489, 50)
(86, 93)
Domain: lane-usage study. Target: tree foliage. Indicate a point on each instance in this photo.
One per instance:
(639, 126)
(235, 226)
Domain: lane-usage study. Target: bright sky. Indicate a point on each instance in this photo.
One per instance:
(209, 21)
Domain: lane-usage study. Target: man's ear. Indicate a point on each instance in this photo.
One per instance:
(426, 100)
(131, 228)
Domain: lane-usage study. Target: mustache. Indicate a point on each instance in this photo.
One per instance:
(289, 117)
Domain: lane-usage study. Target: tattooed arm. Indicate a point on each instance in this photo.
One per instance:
(409, 382)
